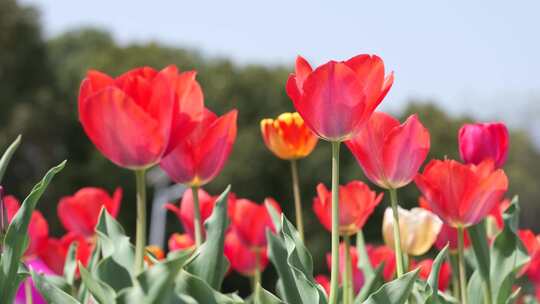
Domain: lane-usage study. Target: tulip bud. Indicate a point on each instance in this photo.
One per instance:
(418, 228)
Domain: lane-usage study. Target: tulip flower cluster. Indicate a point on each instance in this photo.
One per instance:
(146, 118)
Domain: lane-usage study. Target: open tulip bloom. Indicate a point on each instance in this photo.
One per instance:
(148, 117)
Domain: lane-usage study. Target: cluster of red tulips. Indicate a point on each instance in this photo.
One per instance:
(147, 117)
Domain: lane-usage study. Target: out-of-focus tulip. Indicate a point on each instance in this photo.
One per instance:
(156, 252)
(356, 203)
(357, 275)
(287, 136)
(532, 243)
(425, 266)
(39, 267)
(324, 281)
(337, 98)
(135, 119)
(179, 241)
(38, 229)
(462, 195)
(199, 157)
(418, 228)
(383, 255)
(79, 213)
(185, 211)
(54, 253)
(390, 153)
(244, 259)
(250, 221)
(481, 141)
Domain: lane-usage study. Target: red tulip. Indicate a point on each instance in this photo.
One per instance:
(356, 203)
(324, 281)
(185, 212)
(389, 153)
(357, 275)
(425, 266)
(179, 241)
(55, 251)
(79, 213)
(250, 221)
(38, 229)
(462, 195)
(243, 259)
(337, 98)
(383, 255)
(532, 243)
(447, 235)
(203, 153)
(135, 119)
(481, 141)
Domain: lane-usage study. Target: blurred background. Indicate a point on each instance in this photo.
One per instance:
(454, 61)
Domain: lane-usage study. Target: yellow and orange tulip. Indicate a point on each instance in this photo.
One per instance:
(287, 136)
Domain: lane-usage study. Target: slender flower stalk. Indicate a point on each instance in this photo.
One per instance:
(397, 236)
(140, 243)
(461, 263)
(335, 223)
(453, 259)
(348, 293)
(297, 199)
(28, 292)
(257, 276)
(197, 217)
(361, 250)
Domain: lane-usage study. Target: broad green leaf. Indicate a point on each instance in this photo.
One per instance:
(102, 292)
(396, 291)
(113, 274)
(274, 215)
(114, 242)
(16, 238)
(371, 284)
(433, 278)
(8, 154)
(211, 264)
(52, 293)
(480, 246)
(70, 265)
(196, 288)
(474, 288)
(84, 295)
(508, 255)
(265, 297)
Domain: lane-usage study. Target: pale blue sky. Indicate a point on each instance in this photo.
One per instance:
(471, 56)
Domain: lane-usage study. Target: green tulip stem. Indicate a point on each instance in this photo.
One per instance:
(461, 263)
(197, 217)
(348, 293)
(28, 291)
(257, 277)
(334, 276)
(297, 199)
(397, 236)
(140, 242)
(363, 256)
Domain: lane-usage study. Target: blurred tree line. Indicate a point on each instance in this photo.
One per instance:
(39, 80)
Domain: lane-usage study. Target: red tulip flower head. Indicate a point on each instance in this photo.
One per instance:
(357, 275)
(135, 119)
(79, 213)
(462, 195)
(337, 98)
(55, 252)
(324, 281)
(185, 212)
(390, 153)
(250, 221)
(481, 141)
(532, 244)
(38, 229)
(356, 203)
(243, 259)
(379, 255)
(445, 273)
(201, 156)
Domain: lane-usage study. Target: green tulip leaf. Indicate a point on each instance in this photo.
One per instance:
(8, 154)
(50, 290)
(103, 293)
(396, 291)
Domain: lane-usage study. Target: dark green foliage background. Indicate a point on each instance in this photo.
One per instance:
(39, 82)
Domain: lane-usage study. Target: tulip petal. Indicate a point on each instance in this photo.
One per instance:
(333, 101)
(121, 130)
